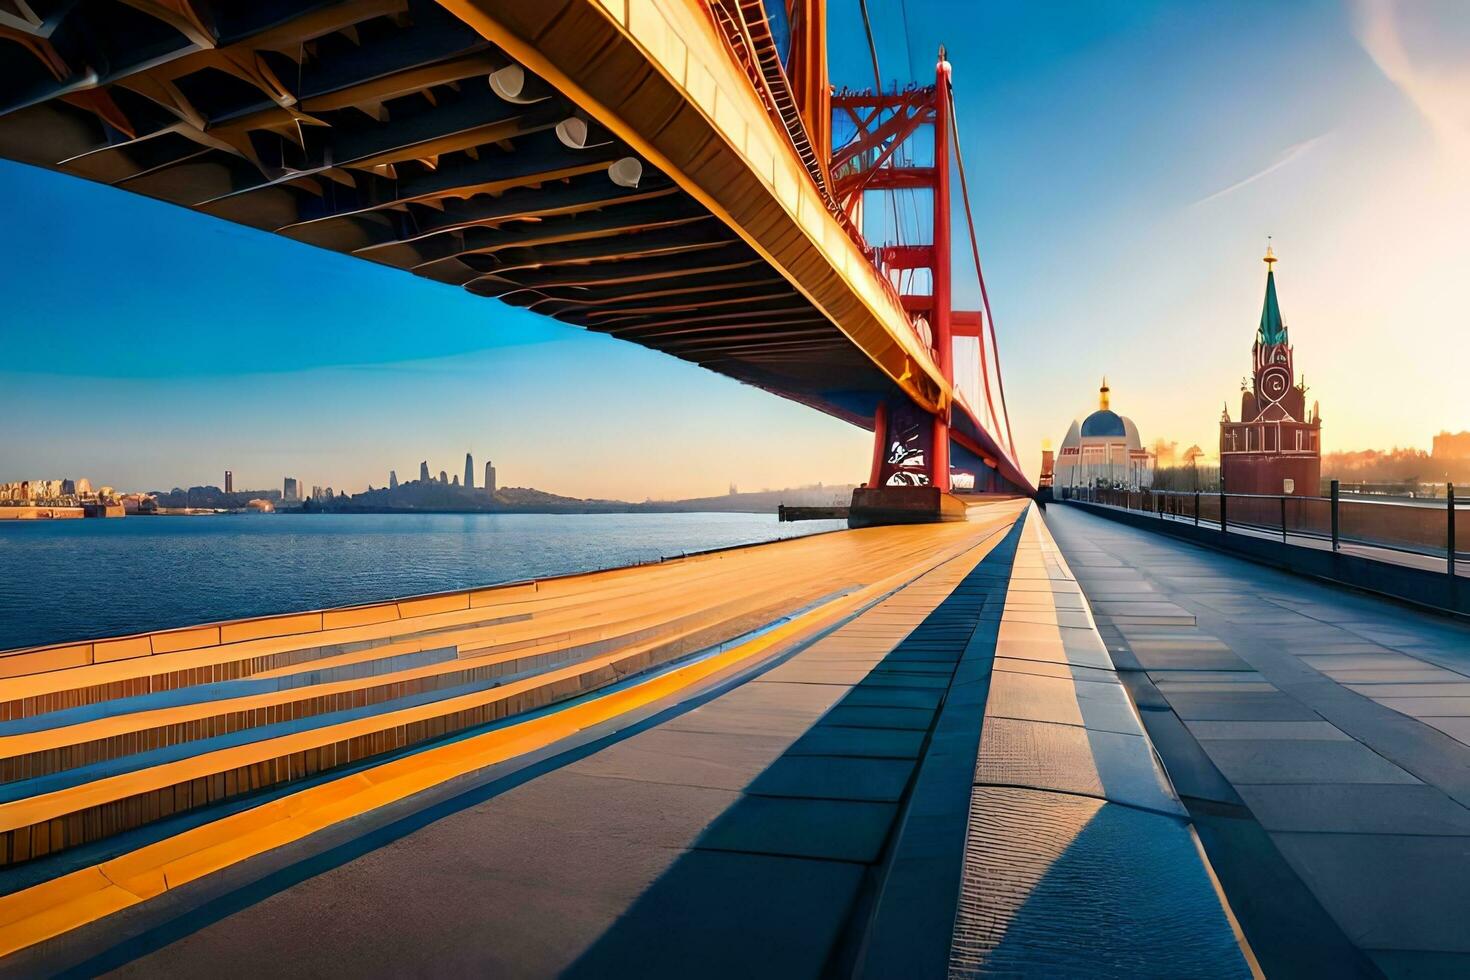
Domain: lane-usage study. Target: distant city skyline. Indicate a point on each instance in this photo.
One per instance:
(1127, 163)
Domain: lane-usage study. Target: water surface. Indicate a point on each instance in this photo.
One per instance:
(75, 579)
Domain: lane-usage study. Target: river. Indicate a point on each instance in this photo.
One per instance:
(72, 580)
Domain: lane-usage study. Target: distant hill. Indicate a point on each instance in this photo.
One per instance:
(434, 497)
(212, 498)
(760, 502)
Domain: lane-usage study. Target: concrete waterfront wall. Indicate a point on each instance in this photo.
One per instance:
(40, 513)
(22, 661)
(1435, 589)
(62, 656)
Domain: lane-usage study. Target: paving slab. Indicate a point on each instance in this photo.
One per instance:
(711, 915)
(1376, 887)
(913, 673)
(828, 672)
(1069, 759)
(745, 720)
(1245, 706)
(1356, 808)
(1326, 661)
(1048, 669)
(877, 743)
(1432, 689)
(1112, 589)
(1171, 655)
(936, 681)
(1227, 676)
(835, 830)
(1428, 707)
(1457, 728)
(1301, 761)
(1406, 675)
(834, 778)
(1058, 885)
(1033, 698)
(1187, 684)
(723, 761)
(890, 696)
(861, 716)
(1267, 730)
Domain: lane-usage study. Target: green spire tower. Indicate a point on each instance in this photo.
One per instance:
(1273, 331)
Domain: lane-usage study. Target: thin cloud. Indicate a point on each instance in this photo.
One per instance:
(1440, 96)
(1292, 152)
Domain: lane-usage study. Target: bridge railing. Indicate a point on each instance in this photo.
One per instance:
(1437, 528)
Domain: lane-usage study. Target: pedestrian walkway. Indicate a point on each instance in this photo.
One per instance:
(1319, 737)
(942, 778)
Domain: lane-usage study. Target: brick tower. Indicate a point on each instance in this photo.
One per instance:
(1276, 446)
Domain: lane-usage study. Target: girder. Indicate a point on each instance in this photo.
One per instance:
(558, 230)
(674, 236)
(538, 203)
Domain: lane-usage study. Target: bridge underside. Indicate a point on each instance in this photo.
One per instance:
(369, 128)
(394, 131)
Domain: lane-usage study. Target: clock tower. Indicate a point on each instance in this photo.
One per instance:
(1276, 446)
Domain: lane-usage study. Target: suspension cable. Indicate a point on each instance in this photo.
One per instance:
(979, 274)
(908, 43)
(872, 50)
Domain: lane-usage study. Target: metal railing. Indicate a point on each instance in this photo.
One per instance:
(1436, 528)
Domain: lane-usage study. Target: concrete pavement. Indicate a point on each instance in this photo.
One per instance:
(1319, 736)
(950, 782)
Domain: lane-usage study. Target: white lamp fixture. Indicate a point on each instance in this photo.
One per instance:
(509, 83)
(572, 133)
(626, 172)
(577, 133)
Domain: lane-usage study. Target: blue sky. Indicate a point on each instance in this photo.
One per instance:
(1127, 161)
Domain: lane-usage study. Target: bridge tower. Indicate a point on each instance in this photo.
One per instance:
(902, 142)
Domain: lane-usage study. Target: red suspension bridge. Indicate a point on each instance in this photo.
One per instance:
(655, 170)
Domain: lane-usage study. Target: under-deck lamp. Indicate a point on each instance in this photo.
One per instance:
(626, 172)
(576, 133)
(513, 85)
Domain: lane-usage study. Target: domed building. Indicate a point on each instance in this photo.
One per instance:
(1103, 450)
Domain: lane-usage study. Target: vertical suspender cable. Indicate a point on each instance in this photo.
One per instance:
(980, 274)
(872, 51)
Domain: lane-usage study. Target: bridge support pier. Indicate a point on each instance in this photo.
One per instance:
(878, 506)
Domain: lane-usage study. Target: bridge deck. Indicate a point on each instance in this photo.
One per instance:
(1320, 737)
(894, 745)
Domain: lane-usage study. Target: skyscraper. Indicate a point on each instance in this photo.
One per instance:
(392, 479)
(424, 471)
(469, 471)
(489, 478)
(443, 477)
(229, 482)
(290, 490)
